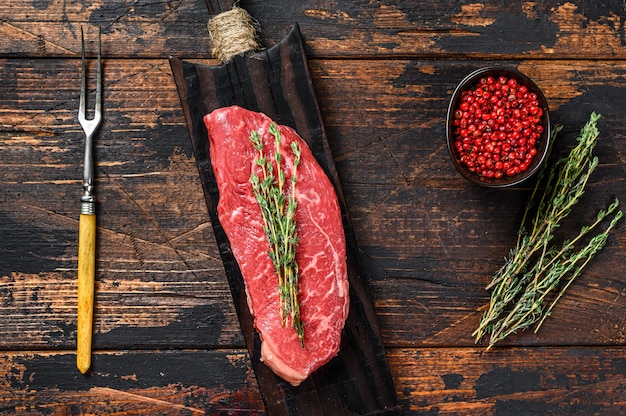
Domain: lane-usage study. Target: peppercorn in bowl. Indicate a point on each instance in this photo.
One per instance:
(498, 127)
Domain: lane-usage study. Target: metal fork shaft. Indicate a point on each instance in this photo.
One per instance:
(89, 126)
(88, 199)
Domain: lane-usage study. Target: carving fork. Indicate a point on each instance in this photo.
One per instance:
(87, 223)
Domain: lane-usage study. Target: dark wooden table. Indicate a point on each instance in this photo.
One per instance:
(167, 339)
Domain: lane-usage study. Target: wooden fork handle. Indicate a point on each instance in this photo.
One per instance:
(86, 279)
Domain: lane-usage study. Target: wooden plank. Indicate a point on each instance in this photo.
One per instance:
(129, 382)
(445, 381)
(129, 29)
(428, 240)
(584, 29)
(513, 30)
(521, 381)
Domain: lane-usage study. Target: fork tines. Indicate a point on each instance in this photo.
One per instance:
(89, 126)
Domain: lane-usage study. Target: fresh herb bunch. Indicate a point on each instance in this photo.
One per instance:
(537, 272)
(278, 207)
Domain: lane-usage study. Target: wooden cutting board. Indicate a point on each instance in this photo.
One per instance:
(277, 82)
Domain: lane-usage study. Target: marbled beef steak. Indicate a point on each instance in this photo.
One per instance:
(320, 254)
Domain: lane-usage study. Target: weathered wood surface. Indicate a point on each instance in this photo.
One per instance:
(167, 338)
(519, 381)
(581, 29)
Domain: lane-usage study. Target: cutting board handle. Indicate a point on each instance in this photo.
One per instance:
(219, 6)
(232, 30)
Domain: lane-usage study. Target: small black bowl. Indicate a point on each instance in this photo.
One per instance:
(543, 143)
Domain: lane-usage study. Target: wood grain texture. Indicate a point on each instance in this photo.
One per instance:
(552, 29)
(167, 339)
(85, 289)
(521, 381)
(443, 381)
(143, 382)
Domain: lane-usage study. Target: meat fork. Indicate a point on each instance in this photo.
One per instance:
(87, 223)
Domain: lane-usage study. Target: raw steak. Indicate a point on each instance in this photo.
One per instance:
(320, 254)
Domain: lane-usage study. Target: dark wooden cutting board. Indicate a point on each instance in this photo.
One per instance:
(277, 82)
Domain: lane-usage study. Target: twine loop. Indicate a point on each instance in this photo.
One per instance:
(232, 33)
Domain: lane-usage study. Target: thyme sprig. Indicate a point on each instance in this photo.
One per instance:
(278, 204)
(535, 269)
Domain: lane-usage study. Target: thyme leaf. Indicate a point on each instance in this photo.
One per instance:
(278, 204)
(523, 289)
